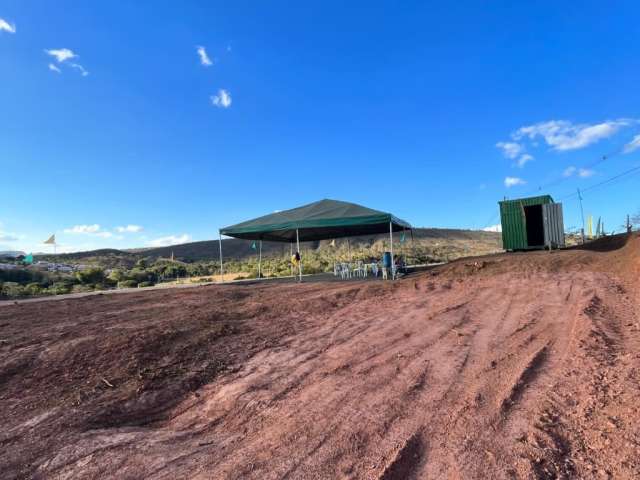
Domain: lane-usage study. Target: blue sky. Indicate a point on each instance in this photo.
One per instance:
(111, 117)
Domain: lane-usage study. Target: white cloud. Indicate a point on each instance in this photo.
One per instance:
(169, 240)
(83, 229)
(513, 181)
(8, 237)
(222, 99)
(563, 135)
(522, 161)
(204, 58)
(53, 68)
(581, 172)
(79, 67)
(93, 230)
(493, 228)
(510, 149)
(6, 26)
(633, 145)
(61, 54)
(129, 229)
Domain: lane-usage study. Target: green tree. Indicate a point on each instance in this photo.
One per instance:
(93, 275)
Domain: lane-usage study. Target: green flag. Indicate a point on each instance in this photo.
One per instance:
(28, 259)
(253, 245)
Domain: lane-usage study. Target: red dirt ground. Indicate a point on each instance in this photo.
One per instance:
(508, 366)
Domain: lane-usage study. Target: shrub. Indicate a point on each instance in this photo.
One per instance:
(33, 289)
(12, 289)
(90, 275)
(81, 288)
(128, 284)
(59, 288)
(145, 284)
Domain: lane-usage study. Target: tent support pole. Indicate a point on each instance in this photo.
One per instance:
(299, 254)
(260, 261)
(220, 245)
(291, 256)
(393, 263)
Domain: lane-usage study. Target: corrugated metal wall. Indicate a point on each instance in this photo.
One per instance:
(553, 225)
(514, 224)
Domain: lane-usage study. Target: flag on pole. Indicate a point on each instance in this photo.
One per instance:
(332, 243)
(29, 259)
(253, 245)
(51, 240)
(402, 238)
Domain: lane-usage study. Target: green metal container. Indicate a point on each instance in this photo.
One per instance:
(531, 223)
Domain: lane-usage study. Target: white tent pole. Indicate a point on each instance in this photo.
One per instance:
(291, 255)
(298, 247)
(393, 263)
(220, 245)
(260, 261)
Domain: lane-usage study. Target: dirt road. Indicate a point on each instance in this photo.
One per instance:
(510, 366)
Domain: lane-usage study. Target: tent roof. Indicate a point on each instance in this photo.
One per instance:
(316, 221)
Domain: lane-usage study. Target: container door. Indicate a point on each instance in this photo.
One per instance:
(553, 225)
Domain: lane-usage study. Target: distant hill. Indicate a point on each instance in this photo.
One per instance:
(11, 253)
(460, 241)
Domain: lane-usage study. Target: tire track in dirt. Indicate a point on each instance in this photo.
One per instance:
(523, 367)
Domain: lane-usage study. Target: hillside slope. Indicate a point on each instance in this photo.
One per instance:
(208, 250)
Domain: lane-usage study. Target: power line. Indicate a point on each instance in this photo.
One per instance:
(564, 178)
(604, 182)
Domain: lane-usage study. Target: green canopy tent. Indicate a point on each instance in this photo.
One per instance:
(321, 220)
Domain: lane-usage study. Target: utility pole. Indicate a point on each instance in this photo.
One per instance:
(582, 214)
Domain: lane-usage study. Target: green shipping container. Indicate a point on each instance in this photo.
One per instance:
(531, 223)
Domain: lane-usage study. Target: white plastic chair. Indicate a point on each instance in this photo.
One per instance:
(374, 269)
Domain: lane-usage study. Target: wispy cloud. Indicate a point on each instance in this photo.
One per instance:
(515, 151)
(204, 58)
(513, 181)
(83, 229)
(129, 229)
(6, 26)
(169, 240)
(79, 67)
(523, 160)
(510, 149)
(222, 99)
(633, 145)
(563, 135)
(586, 172)
(493, 228)
(580, 172)
(8, 237)
(61, 54)
(93, 230)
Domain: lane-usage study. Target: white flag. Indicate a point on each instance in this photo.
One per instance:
(51, 240)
